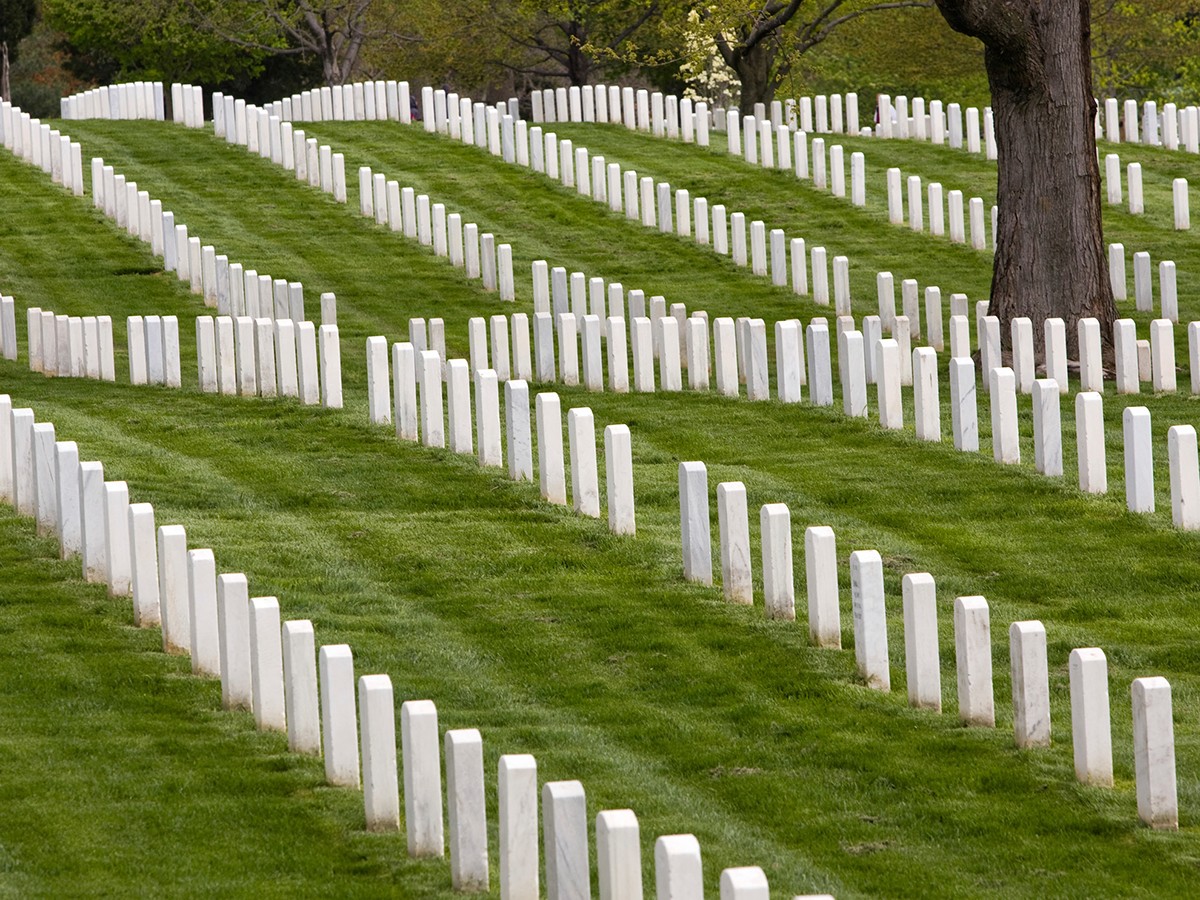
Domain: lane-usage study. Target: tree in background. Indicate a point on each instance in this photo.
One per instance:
(909, 52)
(115, 40)
(332, 31)
(1050, 256)
(570, 39)
(1147, 49)
(762, 42)
(16, 21)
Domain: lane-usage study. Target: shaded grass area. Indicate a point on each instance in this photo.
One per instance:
(559, 639)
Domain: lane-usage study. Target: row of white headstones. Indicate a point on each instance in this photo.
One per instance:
(36, 143)
(256, 357)
(82, 346)
(737, 352)
(416, 388)
(275, 678)
(1175, 128)
(362, 101)
(211, 370)
(271, 668)
(401, 209)
(1137, 203)
(778, 256)
(1154, 752)
(130, 100)
(431, 234)
(229, 286)
(549, 480)
(475, 123)
(650, 203)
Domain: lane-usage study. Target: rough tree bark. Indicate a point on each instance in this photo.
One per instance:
(1050, 255)
(5, 90)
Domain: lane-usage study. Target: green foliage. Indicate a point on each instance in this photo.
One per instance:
(38, 76)
(16, 21)
(501, 47)
(1146, 49)
(902, 51)
(114, 40)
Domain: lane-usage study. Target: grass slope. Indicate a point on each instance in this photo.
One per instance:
(549, 634)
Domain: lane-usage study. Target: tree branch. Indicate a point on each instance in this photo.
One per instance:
(815, 37)
(996, 24)
(766, 27)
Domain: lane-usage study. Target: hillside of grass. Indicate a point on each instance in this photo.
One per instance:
(537, 626)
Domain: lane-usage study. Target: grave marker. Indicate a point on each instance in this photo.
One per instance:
(173, 589)
(870, 620)
(143, 562)
(585, 487)
(922, 667)
(887, 375)
(92, 536)
(266, 665)
(233, 629)
(564, 822)
(1047, 428)
(618, 855)
(1030, 684)
(116, 521)
(973, 653)
(551, 478)
(1090, 720)
(458, 406)
(820, 377)
(694, 522)
(1154, 753)
(204, 639)
(517, 431)
(517, 801)
(429, 385)
(69, 524)
(779, 590)
(381, 800)
(465, 801)
(1006, 447)
(618, 456)
(1139, 460)
(678, 873)
(927, 409)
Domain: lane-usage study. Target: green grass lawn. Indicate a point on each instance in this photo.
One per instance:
(539, 627)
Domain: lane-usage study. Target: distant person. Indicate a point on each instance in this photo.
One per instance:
(414, 109)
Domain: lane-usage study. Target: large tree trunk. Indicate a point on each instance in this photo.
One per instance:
(5, 90)
(754, 72)
(1050, 254)
(578, 65)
